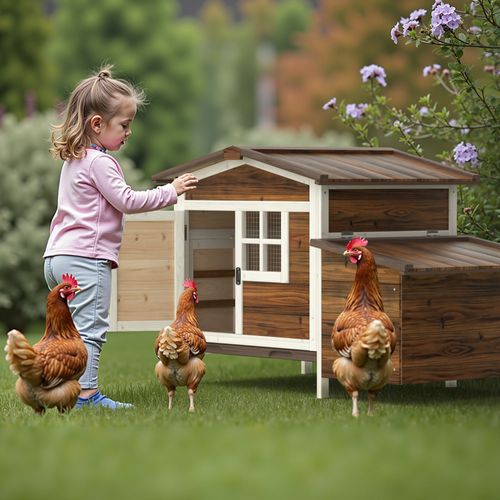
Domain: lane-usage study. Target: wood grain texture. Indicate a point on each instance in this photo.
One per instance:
(249, 183)
(451, 326)
(146, 274)
(388, 210)
(337, 279)
(282, 309)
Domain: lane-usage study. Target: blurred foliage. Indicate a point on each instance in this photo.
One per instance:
(230, 61)
(345, 35)
(28, 198)
(469, 121)
(151, 48)
(26, 76)
(279, 137)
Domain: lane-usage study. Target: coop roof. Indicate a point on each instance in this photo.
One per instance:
(421, 254)
(336, 166)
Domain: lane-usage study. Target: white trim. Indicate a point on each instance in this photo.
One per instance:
(167, 215)
(180, 247)
(238, 261)
(142, 326)
(451, 231)
(258, 341)
(317, 194)
(248, 206)
(452, 210)
(225, 165)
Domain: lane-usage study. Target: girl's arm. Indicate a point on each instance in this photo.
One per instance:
(108, 179)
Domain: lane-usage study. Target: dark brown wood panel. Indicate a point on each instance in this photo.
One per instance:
(337, 280)
(361, 210)
(451, 326)
(282, 309)
(249, 183)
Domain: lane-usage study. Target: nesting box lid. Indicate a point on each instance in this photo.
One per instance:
(426, 254)
(336, 166)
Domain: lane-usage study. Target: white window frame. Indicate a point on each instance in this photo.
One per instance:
(281, 276)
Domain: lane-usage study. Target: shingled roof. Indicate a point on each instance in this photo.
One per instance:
(336, 166)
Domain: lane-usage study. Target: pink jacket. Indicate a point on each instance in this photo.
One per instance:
(93, 196)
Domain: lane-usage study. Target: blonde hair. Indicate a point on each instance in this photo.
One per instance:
(97, 94)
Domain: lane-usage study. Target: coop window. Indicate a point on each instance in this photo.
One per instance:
(265, 246)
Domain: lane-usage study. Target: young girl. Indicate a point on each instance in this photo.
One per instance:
(86, 231)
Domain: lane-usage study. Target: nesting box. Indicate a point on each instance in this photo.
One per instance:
(263, 236)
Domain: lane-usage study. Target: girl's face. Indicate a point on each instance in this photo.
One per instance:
(112, 134)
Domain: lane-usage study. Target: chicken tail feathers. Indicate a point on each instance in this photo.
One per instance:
(22, 358)
(375, 340)
(172, 346)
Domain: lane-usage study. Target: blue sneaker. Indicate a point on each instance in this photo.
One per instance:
(98, 399)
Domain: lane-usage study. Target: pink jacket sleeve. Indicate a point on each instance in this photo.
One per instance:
(108, 178)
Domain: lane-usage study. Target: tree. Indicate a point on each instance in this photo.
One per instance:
(149, 46)
(28, 195)
(468, 128)
(343, 36)
(27, 72)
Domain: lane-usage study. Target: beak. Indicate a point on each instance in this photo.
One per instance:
(76, 289)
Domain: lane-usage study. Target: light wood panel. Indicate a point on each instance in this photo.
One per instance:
(146, 274)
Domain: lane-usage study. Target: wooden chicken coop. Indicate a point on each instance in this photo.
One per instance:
(263, 236)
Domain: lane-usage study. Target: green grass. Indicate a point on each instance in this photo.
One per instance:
(259, 432)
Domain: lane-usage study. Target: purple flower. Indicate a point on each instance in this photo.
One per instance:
(431, 70)
(436, 3)
(395, 33)
(409, 25)
(475, 30)
(444, 17)
(356, 111)
(416, 15)
(373, 71)
(473, 7)
(465, 152)
(424, 111)
(331, 104)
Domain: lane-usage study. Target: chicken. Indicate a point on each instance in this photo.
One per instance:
(180, 348)
(49, 371)
(363, 334)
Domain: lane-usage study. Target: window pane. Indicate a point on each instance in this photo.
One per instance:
(252, 257)
(252, 224)
(273, 258)
(273, 225)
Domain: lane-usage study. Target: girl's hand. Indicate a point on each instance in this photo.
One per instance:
(184, 182)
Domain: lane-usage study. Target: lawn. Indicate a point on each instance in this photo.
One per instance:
(258, 432)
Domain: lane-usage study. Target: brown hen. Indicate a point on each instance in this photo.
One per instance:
(49, 370)
(181, 347)
(363, 334)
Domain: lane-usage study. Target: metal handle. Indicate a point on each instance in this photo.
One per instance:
(238, 275)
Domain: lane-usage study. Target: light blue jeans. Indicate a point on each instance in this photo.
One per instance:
(89, 308)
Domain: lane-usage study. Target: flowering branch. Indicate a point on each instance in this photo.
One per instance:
(470, 130)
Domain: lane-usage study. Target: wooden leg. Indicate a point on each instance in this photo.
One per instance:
(306, 367)
(322, 387)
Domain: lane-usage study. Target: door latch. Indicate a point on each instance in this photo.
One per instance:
(238, 275)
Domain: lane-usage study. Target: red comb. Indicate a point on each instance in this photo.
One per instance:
(69, 278)
(190, 284)
(357, 242)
